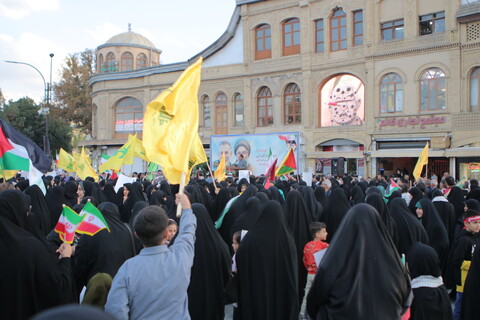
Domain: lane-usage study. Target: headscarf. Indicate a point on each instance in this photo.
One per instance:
(73, 312)
(376, 201)
(276, 195)
(55, 200)
(471, 289)
(135, 194)
(109, 193)
(356, 195)
(40, 212)
(298, 219)
(71, 193)
(219, 204)
(97, 290)
(249, 217)
(336, 209)
(455, 197)
(313, 206)
(429, 302)
(361, 253)
(409, 228)
(267, 269)
(416, 196)
(210, 271)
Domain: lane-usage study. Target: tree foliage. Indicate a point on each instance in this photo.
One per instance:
(72, 93)
(24, 116)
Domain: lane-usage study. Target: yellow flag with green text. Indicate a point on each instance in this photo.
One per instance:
(170, 126)
(140, 150)
(123, 156)
(66, 161)
(422, 160)
(84, 169)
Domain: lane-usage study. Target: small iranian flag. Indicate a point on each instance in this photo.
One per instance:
(68, 224)
(93, 220)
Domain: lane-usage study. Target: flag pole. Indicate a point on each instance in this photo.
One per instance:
(180, 190)
(211, 175)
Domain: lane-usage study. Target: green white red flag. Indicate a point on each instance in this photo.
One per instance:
(67, 224)
(93, 220)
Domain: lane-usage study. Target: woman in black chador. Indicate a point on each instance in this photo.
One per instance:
(361, 276)
(267, 269)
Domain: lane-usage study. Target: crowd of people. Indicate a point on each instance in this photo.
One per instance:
(341, 248)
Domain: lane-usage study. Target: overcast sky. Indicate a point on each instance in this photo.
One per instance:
(32, 29)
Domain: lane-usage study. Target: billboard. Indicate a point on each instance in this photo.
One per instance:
(342, 101)
(252, 151)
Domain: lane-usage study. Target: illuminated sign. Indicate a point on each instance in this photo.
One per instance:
(342, 101)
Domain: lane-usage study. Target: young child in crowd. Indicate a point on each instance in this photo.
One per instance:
(463, 248)
(237, 238)
(172, 228)
(318, 231)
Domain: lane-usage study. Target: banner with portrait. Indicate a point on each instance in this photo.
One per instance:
(254, 152)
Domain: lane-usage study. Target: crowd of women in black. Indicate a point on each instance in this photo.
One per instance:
(363, 275)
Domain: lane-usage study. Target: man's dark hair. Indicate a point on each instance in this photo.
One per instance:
(316, 226)
(473, 183)
(470, 213)
(150, 225)
(449, 181)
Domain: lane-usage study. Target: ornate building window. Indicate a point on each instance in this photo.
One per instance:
(238, 110)
(474, 90)
(291, 37)
(392, 30)
(264, 107)
(221, 114)
(127, 61)
(338, 30)
(391, 93)
(432, 23)
(141, 61)
(432, 90)
(112, 64)
(206, 112)
(293, 105)
(100, 63)
(128, 116)
(263, 42)
(319, 36)
(357, 28)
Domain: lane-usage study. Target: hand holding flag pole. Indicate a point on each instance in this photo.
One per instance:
(180, 191)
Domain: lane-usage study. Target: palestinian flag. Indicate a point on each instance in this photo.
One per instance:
(93, 220)
(393, 186)
(67, 224)
(17, 152)
(289, 164)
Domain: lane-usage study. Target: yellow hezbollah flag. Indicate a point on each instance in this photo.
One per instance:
(84, 169)
(140, 150)
(423, 160)
(66, 161)
(197, 155)
(123, 156)
(170, 125)
(220, 172)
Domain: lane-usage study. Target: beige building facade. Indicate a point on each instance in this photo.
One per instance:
(367, 83)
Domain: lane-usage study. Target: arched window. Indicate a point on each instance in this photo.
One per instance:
(432, 90)
(206, 112)
(474, 90)
(264, 107)
(221, 114)
(391, 93)
(141, 61)
(238, 109)
(338, 30)
(128, 116)
(100, 63)
(291, 37)
(293, 104)
(263, 42)
(112, 64)
(127, 61)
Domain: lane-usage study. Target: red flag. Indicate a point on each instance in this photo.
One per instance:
(270, 174)
(288, 165)
(113, 176)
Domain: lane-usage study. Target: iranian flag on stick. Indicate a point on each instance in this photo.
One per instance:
(93, 220)
(67, 224)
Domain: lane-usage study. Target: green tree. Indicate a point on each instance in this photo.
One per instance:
(24, 115)
(72, 93)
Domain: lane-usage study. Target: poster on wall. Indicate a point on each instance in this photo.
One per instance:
(323, 166)
(254, 152)
(360, 167)
(342, 101)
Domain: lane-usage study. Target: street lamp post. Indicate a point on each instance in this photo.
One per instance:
(46, 99)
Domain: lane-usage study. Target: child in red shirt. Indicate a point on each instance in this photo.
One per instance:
(318, 231)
